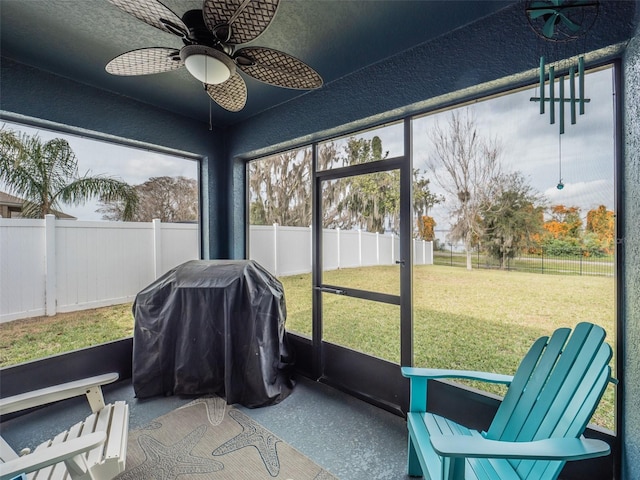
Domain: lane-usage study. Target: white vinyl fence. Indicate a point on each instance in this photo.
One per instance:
(287, 250)
(49, 266)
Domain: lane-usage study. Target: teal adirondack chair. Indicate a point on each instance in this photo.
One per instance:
(539, 424)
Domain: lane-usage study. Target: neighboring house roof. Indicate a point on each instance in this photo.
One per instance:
(6, 199)
(11, 207)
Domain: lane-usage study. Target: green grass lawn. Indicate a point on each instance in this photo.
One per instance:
(477, 320)
(38, 337)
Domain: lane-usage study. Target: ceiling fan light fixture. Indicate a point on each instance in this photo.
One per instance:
(206, 64)
(211, 52)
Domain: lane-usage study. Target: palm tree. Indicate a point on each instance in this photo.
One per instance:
(45, 175)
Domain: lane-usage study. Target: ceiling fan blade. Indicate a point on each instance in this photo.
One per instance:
(550, 26)
(238, 21)
(155, 14)
(230, 95)
(277, 68)
(145, 61)
(540, 12)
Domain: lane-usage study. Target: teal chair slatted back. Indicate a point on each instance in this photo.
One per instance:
(554, 392)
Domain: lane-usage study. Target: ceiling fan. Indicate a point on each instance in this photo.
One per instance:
(561, 20)
(210, 53)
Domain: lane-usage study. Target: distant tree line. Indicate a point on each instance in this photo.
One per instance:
(170, 199)
(565, 234)
(491, 209)
(499, 212)
(280, 189)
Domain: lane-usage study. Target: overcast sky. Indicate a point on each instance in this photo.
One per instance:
(530, 145)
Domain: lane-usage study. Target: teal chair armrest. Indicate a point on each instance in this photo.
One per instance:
(419, 377)
(565, 449)
(438, 373)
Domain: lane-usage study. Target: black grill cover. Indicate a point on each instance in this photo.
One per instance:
(213, 326)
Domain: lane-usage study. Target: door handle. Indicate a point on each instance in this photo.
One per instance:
(335, 291)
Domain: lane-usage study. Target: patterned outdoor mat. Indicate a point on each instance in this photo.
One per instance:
(208, 439)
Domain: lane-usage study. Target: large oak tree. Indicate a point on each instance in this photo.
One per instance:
(467, 167)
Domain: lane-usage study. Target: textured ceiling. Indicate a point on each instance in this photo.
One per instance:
(76, 39)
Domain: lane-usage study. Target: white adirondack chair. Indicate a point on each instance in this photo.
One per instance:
(95, 448)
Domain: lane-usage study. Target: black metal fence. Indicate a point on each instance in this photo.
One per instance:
(576, 264)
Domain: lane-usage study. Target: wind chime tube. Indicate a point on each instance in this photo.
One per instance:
(552, 100)
(581, 83)
(561, 112)
(541, 85)
(572, 93)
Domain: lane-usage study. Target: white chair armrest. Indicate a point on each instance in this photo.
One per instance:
(88, 386)
(49, 456)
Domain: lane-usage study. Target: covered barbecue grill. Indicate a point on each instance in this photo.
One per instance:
(213, 326)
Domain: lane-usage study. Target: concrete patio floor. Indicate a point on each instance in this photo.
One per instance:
(348, 437)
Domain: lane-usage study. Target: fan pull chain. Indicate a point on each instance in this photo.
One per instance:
(205, 89)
